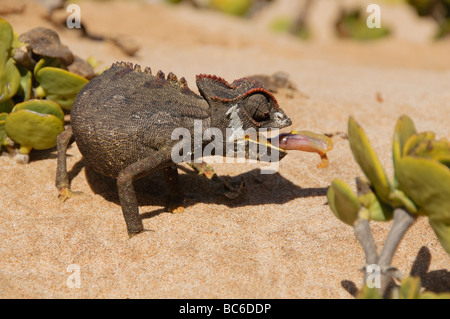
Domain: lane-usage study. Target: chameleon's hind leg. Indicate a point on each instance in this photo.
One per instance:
(62, 179)
(127, 195)
(176, 194)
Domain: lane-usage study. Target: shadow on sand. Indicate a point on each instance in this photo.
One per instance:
(259, 189)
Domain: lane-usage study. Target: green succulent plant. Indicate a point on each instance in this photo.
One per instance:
(287, 24)
(3, 135)
(6, 106)
(420, 187)
(9, 75)
(410, 288)
(343, 202)
(34, 124)
(353, 25)
(26, 83)
(59, 85)
(35, 65)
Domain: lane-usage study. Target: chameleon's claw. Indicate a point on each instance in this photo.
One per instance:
(131, 234)
(66, 193)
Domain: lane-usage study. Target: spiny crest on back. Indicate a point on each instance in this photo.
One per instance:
(171, 78)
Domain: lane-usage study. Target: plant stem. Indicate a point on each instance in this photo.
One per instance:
(365, 239)
(403, 220)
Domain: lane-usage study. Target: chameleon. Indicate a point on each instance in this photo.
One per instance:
(122, 121)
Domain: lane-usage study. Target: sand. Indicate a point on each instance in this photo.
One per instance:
(279, 239)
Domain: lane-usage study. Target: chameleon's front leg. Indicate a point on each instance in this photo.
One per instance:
(176, 194)
(62, 179)
(127, 195)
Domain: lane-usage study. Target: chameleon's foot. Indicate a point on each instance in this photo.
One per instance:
(134, 232)
(65, 193)
(175, 204)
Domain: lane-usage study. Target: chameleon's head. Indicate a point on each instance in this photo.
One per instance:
(243, 105)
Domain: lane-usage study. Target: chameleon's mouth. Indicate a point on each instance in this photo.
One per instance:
(270, 149)
(257, 147)
(265, 144)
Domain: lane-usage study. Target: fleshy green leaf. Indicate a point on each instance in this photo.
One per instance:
(45, 62)
(398, 196)
(404, 129)
(42, 107)
(410, 288)
(369, 293)
(427, 183)
(6, 106)
(442, 230)
(415, 140)
(343, 202)
(432, 295)
(16, 43)
(367, 159)
(378, 210)
(438, 150)
(33, 130)
(9, 75)
(60, 85)
(3, 134)
(26, 81)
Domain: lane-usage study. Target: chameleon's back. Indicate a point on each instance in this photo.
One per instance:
(122, 115)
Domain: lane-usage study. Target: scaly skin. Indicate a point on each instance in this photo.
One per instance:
(122, 121)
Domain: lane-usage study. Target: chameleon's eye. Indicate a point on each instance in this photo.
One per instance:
(261, 115)
(259, 107)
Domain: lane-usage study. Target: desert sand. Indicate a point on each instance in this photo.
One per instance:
(279, 239)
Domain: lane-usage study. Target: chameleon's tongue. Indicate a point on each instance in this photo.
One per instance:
(308, 142)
